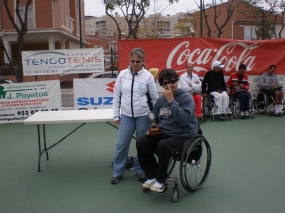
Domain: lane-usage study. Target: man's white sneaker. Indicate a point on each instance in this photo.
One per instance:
(157, 187)
(242, 114)
(247, 113)
(147, 184)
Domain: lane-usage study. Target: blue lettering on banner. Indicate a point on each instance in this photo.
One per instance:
(83, 101)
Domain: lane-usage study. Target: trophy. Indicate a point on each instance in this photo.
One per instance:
(154, 129)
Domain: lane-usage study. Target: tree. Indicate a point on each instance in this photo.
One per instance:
(264, 15)
(212, 13)
(133, 11)
(184, 26)
(20, 25)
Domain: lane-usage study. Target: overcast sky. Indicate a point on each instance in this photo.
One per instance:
(96, 7)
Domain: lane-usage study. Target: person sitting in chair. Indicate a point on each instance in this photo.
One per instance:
(215, 83)
(238, 83)
(270, 84)
(175, 115)
(191, 83)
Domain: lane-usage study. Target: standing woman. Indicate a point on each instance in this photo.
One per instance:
(135, 94)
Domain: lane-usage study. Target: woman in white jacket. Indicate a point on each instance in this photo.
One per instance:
(135, 93)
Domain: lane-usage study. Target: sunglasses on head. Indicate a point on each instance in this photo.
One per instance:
(137, 61)
(169, 82)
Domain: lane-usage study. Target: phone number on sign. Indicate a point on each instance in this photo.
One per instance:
(33, 111)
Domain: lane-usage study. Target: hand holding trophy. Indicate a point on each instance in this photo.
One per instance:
(154, 129)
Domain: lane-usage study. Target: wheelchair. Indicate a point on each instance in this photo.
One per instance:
(210, 107)
(195, 164)
(265, 102)
(235, 106)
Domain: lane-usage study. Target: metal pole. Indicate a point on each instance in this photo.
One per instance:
(263, 23)
(201, 25)
(80, 28)
(112, 65)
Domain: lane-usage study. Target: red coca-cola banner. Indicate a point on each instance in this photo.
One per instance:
(175, 53)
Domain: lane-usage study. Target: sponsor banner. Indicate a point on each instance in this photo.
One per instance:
(202, 52)
(92, 93)
(64, 61)
(18, 101)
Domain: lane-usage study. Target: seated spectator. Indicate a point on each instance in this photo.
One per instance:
(215, 83)
(191, 83)
(270, 84)
(175, 115)
(239, 85)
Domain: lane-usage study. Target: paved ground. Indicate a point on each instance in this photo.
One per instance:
(247, 173)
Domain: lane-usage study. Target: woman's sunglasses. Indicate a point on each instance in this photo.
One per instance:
(133, 61)
(169, 82)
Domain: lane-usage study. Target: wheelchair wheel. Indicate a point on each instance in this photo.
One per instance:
(207, 106)
(232, 104)
(195, 163)
(175, 194)
(261, 103)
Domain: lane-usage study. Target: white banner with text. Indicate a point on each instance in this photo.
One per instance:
(18, 101)
(93, 93)
(64, 61)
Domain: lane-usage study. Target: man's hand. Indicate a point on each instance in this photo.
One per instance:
(168, 94)
(197, 82)
(117, 122)
(272, 84)
(235, 84)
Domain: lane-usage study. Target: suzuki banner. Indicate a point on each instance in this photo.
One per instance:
(175, 53)
(18, 101)
(65, 61)
(93, 93)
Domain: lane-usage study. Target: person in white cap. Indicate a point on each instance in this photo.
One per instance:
(215, 84)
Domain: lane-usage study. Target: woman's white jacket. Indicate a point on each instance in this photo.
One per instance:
(134, 94)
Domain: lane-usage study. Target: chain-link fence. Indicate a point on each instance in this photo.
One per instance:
(66, 24)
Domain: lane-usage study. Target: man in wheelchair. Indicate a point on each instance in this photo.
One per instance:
(176, 119)
(239, 85)
(269, 83)
(215, 84)
(191, 83)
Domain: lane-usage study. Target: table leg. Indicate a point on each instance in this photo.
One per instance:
(45, 145)
(40, 150)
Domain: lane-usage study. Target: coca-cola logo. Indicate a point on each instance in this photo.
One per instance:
(202, 57)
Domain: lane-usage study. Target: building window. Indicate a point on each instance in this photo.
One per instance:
(250, 33)
(30, 16)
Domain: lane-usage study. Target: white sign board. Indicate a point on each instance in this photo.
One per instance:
(93, 93)
(20, 100)
(64, 61)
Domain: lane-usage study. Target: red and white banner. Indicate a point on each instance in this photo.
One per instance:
(175, 53)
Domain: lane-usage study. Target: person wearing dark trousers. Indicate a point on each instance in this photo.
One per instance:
(239, 85)
(175, 115)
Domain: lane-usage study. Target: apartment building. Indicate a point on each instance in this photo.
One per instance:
(246, 23)
(51, 25)
(152, 26)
